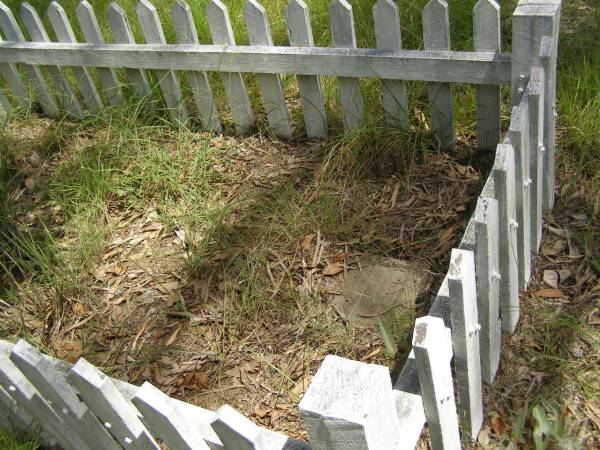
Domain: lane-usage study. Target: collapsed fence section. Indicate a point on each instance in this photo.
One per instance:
(349, 404)
(98, 84)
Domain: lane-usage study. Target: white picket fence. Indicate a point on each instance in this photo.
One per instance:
(349, 404)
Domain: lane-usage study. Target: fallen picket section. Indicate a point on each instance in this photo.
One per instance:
(349, 404)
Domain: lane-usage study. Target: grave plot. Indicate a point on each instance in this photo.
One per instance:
(224, 269)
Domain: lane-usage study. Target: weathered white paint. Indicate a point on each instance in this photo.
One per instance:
(259, 33)
(548, 62)
(122, 35)
(199, 83)
(435, 66)
(504, 176)
(532, 21)
(30, 401)
(159, 413)
(343, 35)
(519, 138)
(12, 32)
(465, 339)
(436, 35)
(349, 406)
(486, 17)
(47, 378)
(432, 346)
(388, 36)
(535, 93)
(222, 34)
(93, 35)
(37, 33)
(309, 87)
(167, 79)
(487, 253)
(64, 33)
(117, 415)
(240, 433)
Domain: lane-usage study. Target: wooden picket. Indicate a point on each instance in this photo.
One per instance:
(37, 33)
(388, 35)
(93, 35)
(436, 35)
(343, 35)
(349, 404)
(222, 34)
(62, 28)
(203, 95)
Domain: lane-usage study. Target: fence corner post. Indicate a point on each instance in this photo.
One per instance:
(350, 404)
(532, 21)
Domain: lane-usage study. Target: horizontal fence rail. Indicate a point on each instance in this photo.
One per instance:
(436, 66)
(349, 404)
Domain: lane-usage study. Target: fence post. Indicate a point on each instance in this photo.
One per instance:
(349, 406)
(432, 346)
(532, 21)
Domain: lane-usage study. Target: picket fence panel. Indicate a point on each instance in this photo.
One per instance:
(349, 404)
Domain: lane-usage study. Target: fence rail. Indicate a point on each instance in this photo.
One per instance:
(349, 404)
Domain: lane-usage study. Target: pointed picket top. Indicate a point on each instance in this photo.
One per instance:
(89, 23)
(342, 24)
(33, 23)
(115, 412)
(436, 25)
(149, 19)
(159, 411)
(220, 24)
(182, 14)
(235, 430)
(298, 21)
(486, 18)
(119, 24)
(258, 24)
(387, 25)
(60, 23)
(9, 25)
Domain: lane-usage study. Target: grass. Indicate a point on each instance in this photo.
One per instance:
(10, 441)
(243, 209)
